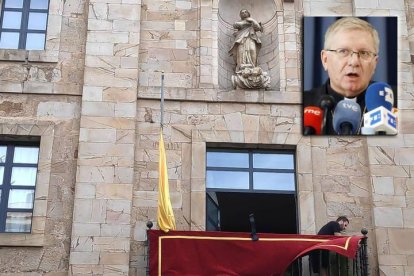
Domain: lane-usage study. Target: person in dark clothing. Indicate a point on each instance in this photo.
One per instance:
(350, 57)
(320, 259)
(334, 227)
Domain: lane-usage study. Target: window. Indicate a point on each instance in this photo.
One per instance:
(23, 24)
(244, 182)
(18, 172)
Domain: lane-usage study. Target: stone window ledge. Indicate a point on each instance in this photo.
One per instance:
(31, 55)
(7, 239)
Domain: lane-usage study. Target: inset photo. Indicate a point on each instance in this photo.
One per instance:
(350, 76)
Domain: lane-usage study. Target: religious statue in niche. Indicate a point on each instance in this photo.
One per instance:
(245, 51)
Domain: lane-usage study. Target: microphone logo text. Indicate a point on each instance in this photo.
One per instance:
(312, 111)
(353, 107)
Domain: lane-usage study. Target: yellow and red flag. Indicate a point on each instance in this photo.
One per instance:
(166, 220)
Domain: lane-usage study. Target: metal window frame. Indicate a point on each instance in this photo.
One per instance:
(23, 31)
(252, 170)
(6, 187)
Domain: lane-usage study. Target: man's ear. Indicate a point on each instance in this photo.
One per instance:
(375, 60)
(324, 59)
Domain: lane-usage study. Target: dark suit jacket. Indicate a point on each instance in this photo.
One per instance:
(313, 98)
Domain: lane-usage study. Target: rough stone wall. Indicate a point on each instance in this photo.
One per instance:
(198, 112)
(62, 114)
(370, 180)
(40, 95)
(100, 241)
(374, 175)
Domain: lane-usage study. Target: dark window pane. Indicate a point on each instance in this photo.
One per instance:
(273, 181)
(228, 180)
(35, 41)
(228, 159)
(26, 155)
(1, 174)
(9, 40)
(23, 176)
(273, 161)
(17, 4)
(213, 213)
(18, 222)
(21, 199)
(3, 151)
(37, 21)
(12, 20)
(39, 4)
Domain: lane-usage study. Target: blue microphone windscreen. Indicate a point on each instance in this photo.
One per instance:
(347, 111)
(379, 94)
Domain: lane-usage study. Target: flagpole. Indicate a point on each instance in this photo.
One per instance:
(165, 214)
(162, 99)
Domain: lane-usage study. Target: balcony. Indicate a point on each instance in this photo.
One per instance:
(232, 253)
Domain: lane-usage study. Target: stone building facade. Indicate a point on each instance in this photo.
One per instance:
(93, 98)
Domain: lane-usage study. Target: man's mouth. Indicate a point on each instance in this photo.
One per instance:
(352, 75)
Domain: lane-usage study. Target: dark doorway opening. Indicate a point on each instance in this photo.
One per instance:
(273, 213)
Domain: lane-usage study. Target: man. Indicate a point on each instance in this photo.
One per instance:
(331, 228)
(350, 57)
(335, 227)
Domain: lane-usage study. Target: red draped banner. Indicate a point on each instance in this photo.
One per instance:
(223, 253)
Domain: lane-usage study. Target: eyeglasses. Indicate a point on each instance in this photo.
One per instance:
(344, 53)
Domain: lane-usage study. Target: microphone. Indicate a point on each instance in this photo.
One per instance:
(379, 94)
(346, 117)
(379, 100)
(327, 103)
(312, 120)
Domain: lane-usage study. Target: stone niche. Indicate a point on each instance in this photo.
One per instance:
(263, 11)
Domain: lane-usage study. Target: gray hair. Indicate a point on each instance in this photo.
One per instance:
(351, 23)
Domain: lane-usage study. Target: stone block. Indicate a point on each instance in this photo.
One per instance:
(395, 5)
(113, 191)
(92, 93)
(124, 12)
(125, 136)
(89, 211)
(115, 94)
(107, 37)
(183, 5)
(107, 244)
(391, 270)
(383, 185)
(105, 122)
(408, 216)
(38, 87)
(101, 174)
(125, 110)
(115, 230)
(145, 199)
(140, 231)
(307, 212)
(82, 244)
(84, 257)
(99, 24)
(388, 217)
(114, 258)
(389, 201)
(198, 211)
(98, 49)
(58, 110)
(14, 87)
(131, 26)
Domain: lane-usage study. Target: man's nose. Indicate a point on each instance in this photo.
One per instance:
(353, 58)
